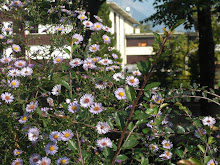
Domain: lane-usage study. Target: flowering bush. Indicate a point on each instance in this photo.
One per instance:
(85, 109)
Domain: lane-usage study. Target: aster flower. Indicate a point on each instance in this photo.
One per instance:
(26, 71)
(86, 100)
(106, 39)
(33, 134)
(157, 99)
(78, 37)
(31, 106)
(5, 60)
(102, 127)
(197, 133)
(67, 135)
(96, 108)
(100, 84)
(120, 94)
(44, 161)
(59, 28)
(212, 162)
(14, 83)
(132, 81)
(1, 36)
(10, 41)
(96, 26)
(150, 124)
(96, 59)
(50, 101)
(8, 30)
(23, 119)
(87, 23)
(16, 48)
(82, 17)
(167, 144)
(34, 159)
(105, 61)
(94, 48)
(17, 152)
(17, 161)
(118, 76)
(98, 18)
(166, 155)
(57, 60)
(153, 147)
(63, 160)
(7, 97)
(51, 148)
(110, 48)
(56, 90)
(115, 56)
(76, 62)
(73, 107)
(16, 3)
(208, 120)
(107, 29)
(55, 136)
(136, 73)
(20, 63)
(105, 142)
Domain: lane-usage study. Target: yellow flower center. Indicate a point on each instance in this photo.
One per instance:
(31, 106)
(51, 148)
(121, 94)
(212, 163)
(7, 97)
(55, 136)
(94, 48)
(153, 147)
(168, 154)
(106, 38)
(94, 59)
(6, 60)
(17, 152)
(167, 144)
(74, 108)
(63, 161)
(17, 163)
(24, 118)
(15, 48)
(131, 80)
(98, 26)
(96, 108)
(59, 29)
(82, 17)
(67, 135)
(13, 83)
(58, 60)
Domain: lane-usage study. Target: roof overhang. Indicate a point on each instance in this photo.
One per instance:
(122, 12)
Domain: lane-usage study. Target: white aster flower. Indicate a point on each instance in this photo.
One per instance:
(136, 73)
(132, 81)
(208, 120)
(23, 119)
(67, 135)
(17, 161)
(167, 144)
(51, 148)
(17, 152)
(7, 97)
(86, 100)
(118, 76)
(212, 162)
(105, 142)
(120, 94)
(153, 147)
(76, 62)
(20, 63)
(56, 90)
(73, 107)
(96, 108)
(32, 106)
(166, 155)
(102, 127)
(27, 71)
(5, 60)
(55, 136)
(34, 159)
(33, 134)
(44, 161)
(63, 160)
(14, 73)
(14, 83)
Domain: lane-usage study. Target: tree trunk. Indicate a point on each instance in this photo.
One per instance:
(206, 50)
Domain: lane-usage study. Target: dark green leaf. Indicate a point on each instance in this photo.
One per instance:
(67, 50)
(130, 143)
(211, 140)
(179, 152)
(130, 93)
(65, 84)
(120, 121)
(202, 148)
(72, 145)
(180, 129)
(151, 85)
(122, 157)
(181, 21)
(108, 153)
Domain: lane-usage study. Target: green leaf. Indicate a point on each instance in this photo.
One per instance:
(85, 155)
(65, 84)
(122, 157)
(179, 22)
(202, 148)
(180, 129)
(72, 145)
(149, 111)
(108, 153)
(195, 86)
(145, 130)
(130, 126)
(168, 129)
(73, 74)
(195, 161)
(151, 85)
(179, 152)
(163, 105)
(142, 67)
(130, 93)
(65, 67)
(157, 38)
(120, 121)
(144, 161)
(211, 140)
(130, 143)
(207, 159)
(67, 50)
(141, 122)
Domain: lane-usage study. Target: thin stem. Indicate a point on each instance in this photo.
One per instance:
(136, 101)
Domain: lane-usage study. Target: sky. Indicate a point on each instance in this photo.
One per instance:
(141, 10)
